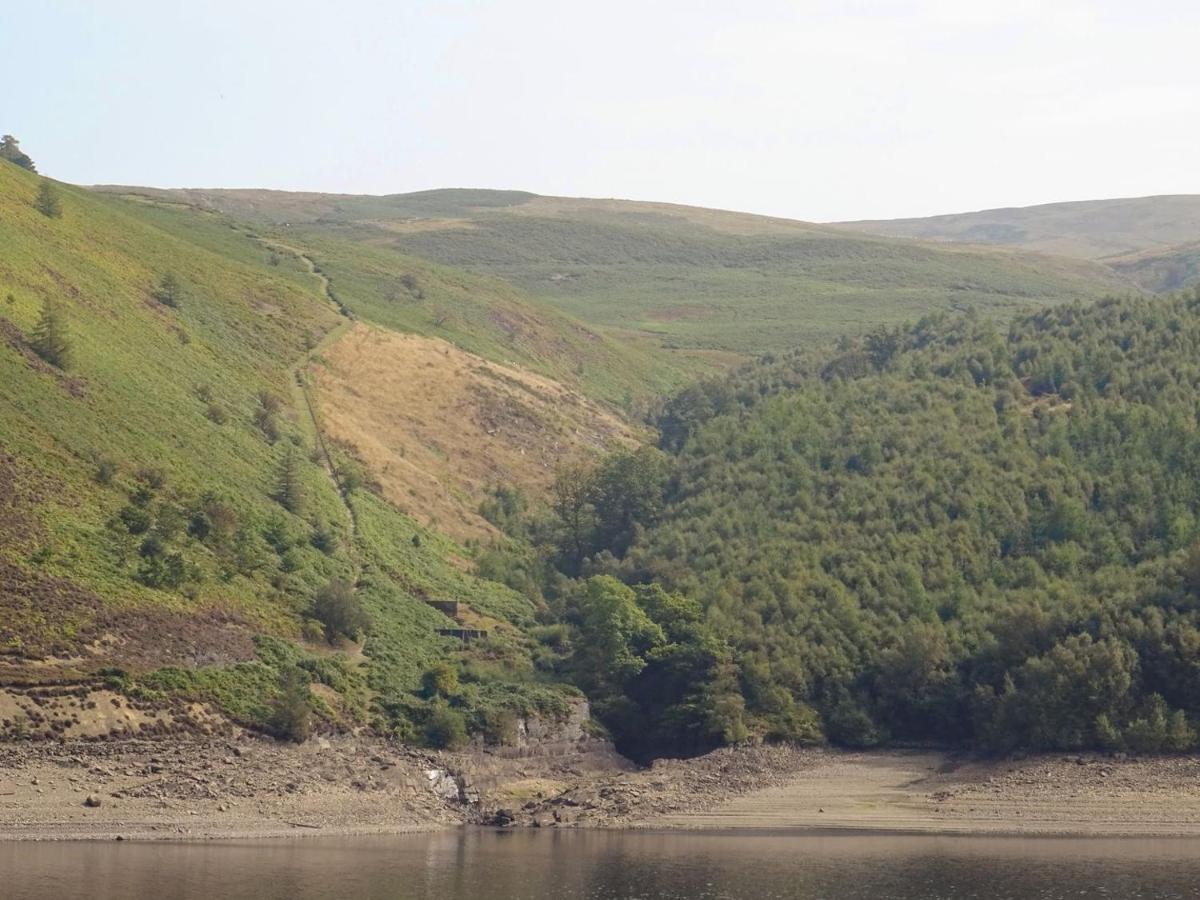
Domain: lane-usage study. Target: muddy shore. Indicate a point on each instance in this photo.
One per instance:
(248, 787)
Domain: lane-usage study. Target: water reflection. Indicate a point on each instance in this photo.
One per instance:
(531, 865)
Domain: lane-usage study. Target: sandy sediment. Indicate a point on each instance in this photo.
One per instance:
(891, 791)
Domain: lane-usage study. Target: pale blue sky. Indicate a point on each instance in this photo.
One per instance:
(814, 110)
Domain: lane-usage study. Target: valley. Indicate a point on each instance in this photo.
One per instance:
(419, 470)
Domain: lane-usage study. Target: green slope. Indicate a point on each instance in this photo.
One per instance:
(400, 291)
(1169, 269)
(689, 278)
(139, 519)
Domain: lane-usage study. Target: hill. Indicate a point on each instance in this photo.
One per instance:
(947, 533)
(398, 291)
(175, 525)
(1169, 269)
(301, 460)
(688, 278)
(1151, 240)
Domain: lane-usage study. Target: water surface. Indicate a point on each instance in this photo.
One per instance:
(488, 865)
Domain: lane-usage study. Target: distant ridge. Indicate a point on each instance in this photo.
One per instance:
(1110, 231)
(682, 277)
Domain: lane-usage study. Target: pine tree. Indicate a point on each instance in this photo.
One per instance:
(10, 150)
(47, 202)
(167, 292)
(288, 488)
(51, 340)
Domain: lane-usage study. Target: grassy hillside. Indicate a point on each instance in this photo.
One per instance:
(482, 315)
(165, 508)
(1169, 269)
(442, 429)
(1087, 229)
(689, 278)
(490, 318)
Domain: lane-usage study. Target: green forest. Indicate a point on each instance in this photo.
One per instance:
(949, 533)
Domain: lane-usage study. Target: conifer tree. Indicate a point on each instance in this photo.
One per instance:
(167, 292)
(51, 340)
(289, 490)
(47, 202)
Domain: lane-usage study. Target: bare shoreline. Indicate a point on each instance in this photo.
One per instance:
(248, 788)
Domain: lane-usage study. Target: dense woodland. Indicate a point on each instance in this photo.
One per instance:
(941, 534)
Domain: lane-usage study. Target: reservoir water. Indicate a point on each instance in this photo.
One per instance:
(575, 865)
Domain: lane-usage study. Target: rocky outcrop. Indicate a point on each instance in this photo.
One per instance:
(549, 755)
(549, 736)
(628, 797)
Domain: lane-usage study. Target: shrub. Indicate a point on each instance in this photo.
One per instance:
(158, 570)
(445, 727)
(440, 681)
(135, 518)
(291, 710)
(338, 608)
(500, 726)
(266, 417)
(850, 726)
(410, 283)
(106, 471)
(291, 560)
(324, 539)
(154, 479)
(269, 402)
(312, 631)
(213, 521)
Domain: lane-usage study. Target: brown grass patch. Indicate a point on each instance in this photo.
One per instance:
(438, 426)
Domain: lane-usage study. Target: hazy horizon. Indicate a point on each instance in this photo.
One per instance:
(813, 111)
(519, 190)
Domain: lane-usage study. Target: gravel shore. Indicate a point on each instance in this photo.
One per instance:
(893, 791)
(245, 786)
(218, 788)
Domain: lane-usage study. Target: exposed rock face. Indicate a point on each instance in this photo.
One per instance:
(446, 785)
(548, 756)
(630, 797)
(538, 736)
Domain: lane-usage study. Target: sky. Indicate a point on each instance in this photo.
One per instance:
(811, 110)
